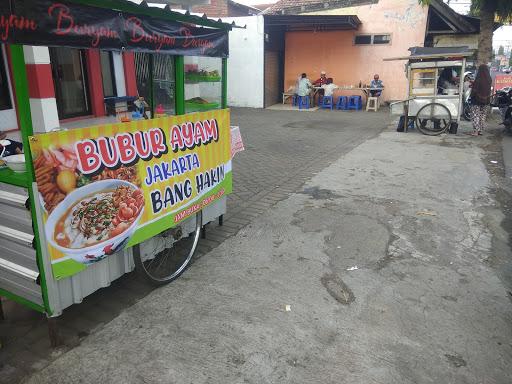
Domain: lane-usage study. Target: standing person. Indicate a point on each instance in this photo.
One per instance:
(304, 85)
(378, 84)
(480, 99)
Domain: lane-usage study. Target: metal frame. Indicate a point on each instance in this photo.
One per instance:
(436, 98)
(27, 180)
(430, 61)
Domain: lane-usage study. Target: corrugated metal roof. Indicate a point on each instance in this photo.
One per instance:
(294, 7)
(448, 51)
(158, 12)
(314, 22)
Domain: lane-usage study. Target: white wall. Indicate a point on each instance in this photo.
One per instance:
(8, 119)
(119, 73)
(471, 41)
(246, 62)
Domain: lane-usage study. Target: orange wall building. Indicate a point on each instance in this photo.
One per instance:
(403, 22)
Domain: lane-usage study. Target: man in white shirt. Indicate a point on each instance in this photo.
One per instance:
(304, 86)
(376, 85)
(329, 87)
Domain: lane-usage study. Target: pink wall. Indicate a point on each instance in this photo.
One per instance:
(335, 52)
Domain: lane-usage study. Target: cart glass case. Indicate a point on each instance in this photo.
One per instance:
(161, 92)
(203, 83)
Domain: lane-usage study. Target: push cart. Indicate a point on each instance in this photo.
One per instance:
(435, 88)
(93, 202)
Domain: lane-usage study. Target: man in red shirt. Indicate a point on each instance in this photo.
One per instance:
(321, 81)
(318, 83)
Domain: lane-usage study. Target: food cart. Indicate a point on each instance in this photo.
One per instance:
(434, 101)
(134, 189)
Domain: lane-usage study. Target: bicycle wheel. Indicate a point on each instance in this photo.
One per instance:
(433, 119)
(172, 254)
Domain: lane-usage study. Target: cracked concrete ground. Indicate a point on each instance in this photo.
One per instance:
(380, 271)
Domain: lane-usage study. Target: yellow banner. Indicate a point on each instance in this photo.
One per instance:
(109, 186)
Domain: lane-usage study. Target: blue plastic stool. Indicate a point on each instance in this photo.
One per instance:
(327, 102)
(355, 102)
(342, 102)
(303, 102)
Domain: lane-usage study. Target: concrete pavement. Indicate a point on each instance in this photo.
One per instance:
(388, 266)
(283, 150)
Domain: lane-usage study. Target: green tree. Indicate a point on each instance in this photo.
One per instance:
(501, 50)
(488, 11)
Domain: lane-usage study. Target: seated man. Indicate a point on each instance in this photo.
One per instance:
(304, 85)
(329, 87)
(321, 81)
(141, 106)
(376, 83)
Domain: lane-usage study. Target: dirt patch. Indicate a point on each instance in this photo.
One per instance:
(337, 289)
(455, 360)
(319, 193)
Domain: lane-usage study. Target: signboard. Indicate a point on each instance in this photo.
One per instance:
(108, 187)
(237, 144)
(62, 23)
(502, 81)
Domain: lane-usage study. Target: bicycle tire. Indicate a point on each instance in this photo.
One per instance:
(421, 124)
(144, 266)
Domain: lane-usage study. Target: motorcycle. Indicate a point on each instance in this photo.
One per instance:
(503, 100)
(466, 99)
(466, 105)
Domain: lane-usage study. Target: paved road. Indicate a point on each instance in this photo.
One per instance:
(283, 150)
(387, 267)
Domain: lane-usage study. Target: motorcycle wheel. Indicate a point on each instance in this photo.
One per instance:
(466, 112)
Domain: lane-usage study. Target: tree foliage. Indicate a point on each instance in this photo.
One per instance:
(488, 11)
(502, 8)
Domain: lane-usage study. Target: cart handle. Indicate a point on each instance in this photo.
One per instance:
(402, 101)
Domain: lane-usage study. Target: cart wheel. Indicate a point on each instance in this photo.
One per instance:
(171, 262)
(433, 119)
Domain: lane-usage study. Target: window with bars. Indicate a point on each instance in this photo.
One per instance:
(108, 74)
(376, 39)
(161, 67)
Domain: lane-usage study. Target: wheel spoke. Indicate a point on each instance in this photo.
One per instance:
(168, 264)
(433, 119)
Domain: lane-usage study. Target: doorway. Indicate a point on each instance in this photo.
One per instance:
(70, 81)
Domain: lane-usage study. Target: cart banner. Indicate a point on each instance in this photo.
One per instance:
(237, 144)
(62, 23)
(109, 187)
(502, 81)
